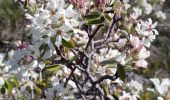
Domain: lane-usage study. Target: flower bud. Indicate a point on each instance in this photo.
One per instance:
(137, 49)
(100, 4)
(21, 45)
(79, 4)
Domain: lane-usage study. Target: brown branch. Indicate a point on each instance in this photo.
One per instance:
(91, 36)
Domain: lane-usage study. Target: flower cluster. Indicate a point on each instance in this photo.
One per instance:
(147, 7)
(162, 88)
(75, 54)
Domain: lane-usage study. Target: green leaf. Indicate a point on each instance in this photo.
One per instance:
(107, 17)
(95, 21)
(21, 97)
(15, 82)
(124, 13)
(93, 15)
(48, 62)
(41, 83)
(106, 89)
(128, 68)
(37, 89)
(116, 4)
(121, 72)
(108, 62)
(53, 39)
(3, 90)
(43, 46)
(8, 86)
(73, 58)
(26, 4)
(68, 44)
(54, 68)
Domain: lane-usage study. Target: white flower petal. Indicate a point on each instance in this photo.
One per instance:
(141, 63)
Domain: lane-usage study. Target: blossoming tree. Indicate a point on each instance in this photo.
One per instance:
(79, 49)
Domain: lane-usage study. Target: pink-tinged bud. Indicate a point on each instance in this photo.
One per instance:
(100, 4)
(150, 28)
(21, 45)
(78, 3)
(29, 58)
(140, 47)
(136, 50)
(73, 2)
(82, 3)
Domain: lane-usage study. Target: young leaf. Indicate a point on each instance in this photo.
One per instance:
(43, 49)
(37, 89)
(53, 40)
(107, 17)
(73, 58)
(54, 68)
(41, 83)
(124, 13)
(116, 4)
(48, 62)
(43, 46)
(68, 44)
(93, 16)
(95, 21)
(3, 90)
(121, 72)
(15, 82)
(106, 89)
(108, 62)
(21, 97)
(26, 4)
(8, 86)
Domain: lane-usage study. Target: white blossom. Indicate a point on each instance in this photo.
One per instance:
(161, 87)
